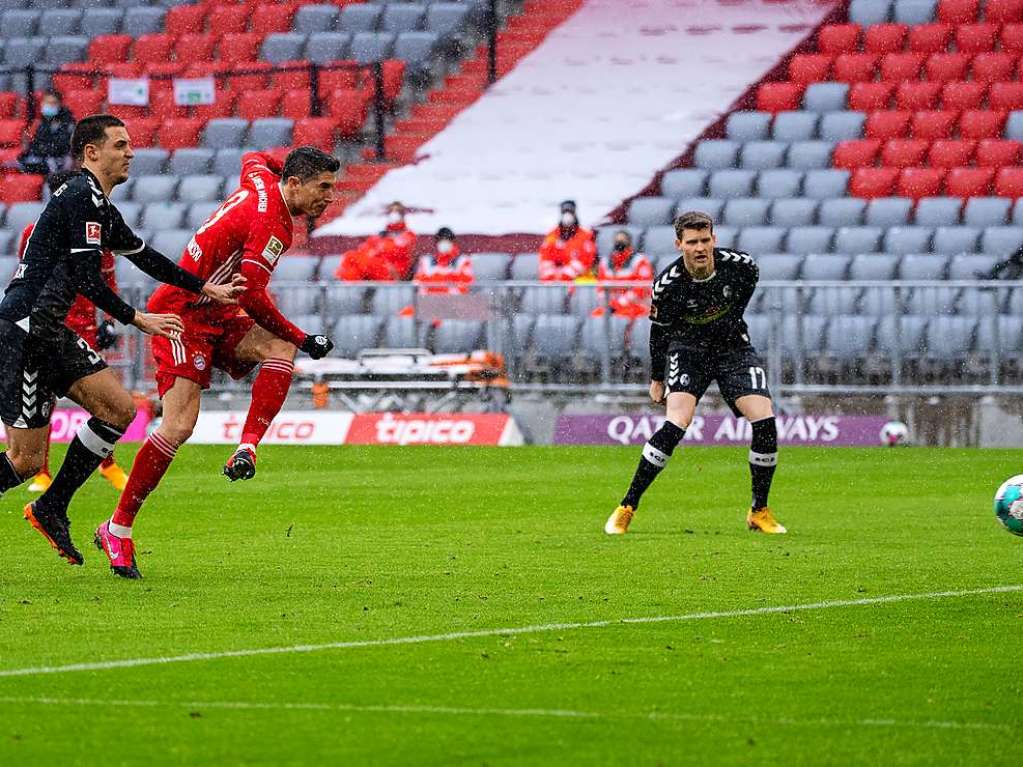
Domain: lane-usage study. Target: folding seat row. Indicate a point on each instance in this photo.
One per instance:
(363, 47)
(986, 66)
(393, 17)
(873, 267)
(932, 182)
(86, 21)
(865, 12)
(940, 153)
(776, 183)
(918, 95)
(1001, 33)
(51, 51)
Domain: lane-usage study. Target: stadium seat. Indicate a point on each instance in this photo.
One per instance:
(400, 17)
(651, 211)
(325, 47)
(56, 22)
(797, 211)
(993, 67)
(904, 153)
(315, 131)
(951, 240)
(716, 154)
(493, 267)
(726, 236)
(761, 239)
(938, 211)
(19, 22)
(100, 21)
(198, 213)
(838, 38)
(917, 95)
(981, 124)
(842, 211)
(854, 67)
(360, 18)
(823, 97)
(750, 211)
(149, 162)
(153, 48)
(180, 133)
(229, 18)
(998, 153)
(389, 301)
(944, 67)
(900, 66)
(161, 215)
(223, 133)
(270, 132)
(143, 131)
(866, 12)
(933, 125)
(887, 124)
(658, 241)
(268, 18)
(206, 188)
(884, 38)
(807, 155)
(825, 183)
(725, 184)
(913, 11)
(855, 154)
(958, 95)
(920, 182)
(148, 189)
(191, 161)
(458, 336)
(316, 18)
(976, 38)
(1010, 40)
(20, 214)
(192, 48)
(763, 155)
(748, 126)
(842, 126)
(280, 47)
(683, 183)
(1003, 11)
(950, 153)
(923, 266)
(778, 97)
(792, 126)
(900, 240)
(873, 267)
(84, 102)
(888, 211)
(930, 38)
(1009, 182)
(826, 267)
(354, 333)
(868, 97)
(855, 239)
(986, 211)
(970, 266)
(1005, 96)
(803, 240)
(873, 182)
(239, 47)
(958, 11)
(806, 68)
(185, 19)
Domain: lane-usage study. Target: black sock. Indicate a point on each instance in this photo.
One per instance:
(656, 453)
(763, 458)
(8, 476)
(94, 442)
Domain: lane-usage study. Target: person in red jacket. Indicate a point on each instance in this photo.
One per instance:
(384, 257)
(626, 264)
(446, 270)
(568, 252)
(81, 318)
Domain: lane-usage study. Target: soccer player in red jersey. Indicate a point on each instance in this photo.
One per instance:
(81, 318)
(247, 234)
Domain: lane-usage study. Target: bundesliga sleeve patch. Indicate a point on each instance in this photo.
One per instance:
(93, 233)
(273, 250)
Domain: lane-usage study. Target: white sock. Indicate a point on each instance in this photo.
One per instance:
(119, 531)
(247, 446)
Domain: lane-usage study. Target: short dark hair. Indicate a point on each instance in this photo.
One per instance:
(445, 233)
(305, 162)
(58, 178)
(92, 130)
(692, 219)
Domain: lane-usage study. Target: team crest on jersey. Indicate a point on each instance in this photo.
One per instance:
(93, 233)
(727, 291)
(273, 250)
(199, 361)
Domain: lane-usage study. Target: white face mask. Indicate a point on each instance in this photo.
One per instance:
(568, 219)
(394, 217)
(444, 246)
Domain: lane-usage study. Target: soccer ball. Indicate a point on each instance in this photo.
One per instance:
(1009, 504)
(894, 433)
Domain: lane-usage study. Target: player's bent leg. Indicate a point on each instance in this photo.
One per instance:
(656, 452)
(763, 459)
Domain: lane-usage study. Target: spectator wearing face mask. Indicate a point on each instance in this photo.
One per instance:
(568, 252)
(445, 270)
(384, 257)
(50, 147)
(626, 264)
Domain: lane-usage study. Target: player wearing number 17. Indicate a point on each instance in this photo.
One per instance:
(698, 336)
(248, 234)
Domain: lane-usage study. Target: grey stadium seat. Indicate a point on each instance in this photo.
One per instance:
(810, 239)
(750, 211)
(850, 337)
(888, 211)
(949, 338)
(525, 266)
(101, 21)
(685, 182)
(401, 333)
(844, 211)
(712, 206)
(282, 46)
(446, 19)
(763, 155)
(797, 211)
(779, 266)
(1010, 331)
(779, 183)
(20, 214)
(416, 49)
(171, 242)
(748, 126)
(598, 336)
(952, 240)
(762, 239)
(353, 333)
(554, 337)
(324, 47)
(1014, 126)
(716, 154)
(315, 18)
(812, 332)
(313, 322)
(869, 11)
(191, 161)
(978, 302)
(543, 300)
(456, 336)
(938, 211)
(154, 188)
(823, 184)
(123, 191)
(63, 50)
(731, 183)
(659, 240)
(825, 267)
(795, 126)
(913, 11)
(986, 211)
(825, 97)
(387, 302)
(22, 51)
(270, 132)
(228, 161)
(726, 236)
(582, 302)
(61, 21)
(360, 18)
(923, 266)
(841, 126)
(490, 267)
(164, 215)
(198, 212)
(873, 267)
(903, 334)
(971, 266)
(368, 47)
(205, 188)
(1001, 240)
(341, 298)
(901, 240)
(807, 155)
(403, 17)
(130, 212)
(857, 239)
(651, 211)
(224, 132)
(149, 161)
(19, 23)
(830, 300)
(143, 21)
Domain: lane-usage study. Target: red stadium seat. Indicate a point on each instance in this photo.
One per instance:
(82, 103)
(981, 123)
(958, 11)
(869, 97)
(930, 38)
(152, 49)
(394, 76)
(968, 182)
(296, 105)
(349, 109)
(267, 18)
(180, 133)
(873, 182)
(109, 49)
(933, 125)
(838, 38)
(857, 153)
(1009, 182)
(11, 132)
(10, 105)
(854, 67)
(223, 106)
(161, 75)
(76, 76)
(998, 153)
(127, 112)
(191, 48)
(1005, 96)
(885, 38)
(290, 79)
(779, 97)
(950, 153)
(1011, 39)
(163, 107)
(21, 187)
(904, 152)
(262, 103)
(185, 19)
(961, 95)
(808, 68)
(314, 131)
(976, 38)
(229, 18)
(127, 69)
(920, 182)
(331, 80)
(993, 67)
(946, 66)
(887, 124)
(901, 66)
(258, 73)
(143, 131)
(917, 94)
(1003, 11)
(240, 46)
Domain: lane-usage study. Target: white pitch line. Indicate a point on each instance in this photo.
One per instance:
(551, 713)
(508, 631)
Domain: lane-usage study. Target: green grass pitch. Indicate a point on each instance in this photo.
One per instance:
(349, 545)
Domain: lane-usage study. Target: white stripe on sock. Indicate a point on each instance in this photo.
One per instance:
(763, 459)
(118, 530)
(93, 442)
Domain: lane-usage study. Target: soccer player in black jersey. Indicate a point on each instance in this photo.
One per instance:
(698, 336)
(43, 359)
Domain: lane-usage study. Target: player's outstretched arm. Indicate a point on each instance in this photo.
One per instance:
(166, 325)
(90, 283)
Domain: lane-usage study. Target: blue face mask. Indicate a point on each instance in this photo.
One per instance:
(49, 110)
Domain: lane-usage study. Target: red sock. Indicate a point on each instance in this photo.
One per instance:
(151, 463)
(269, 391)
(107, 462)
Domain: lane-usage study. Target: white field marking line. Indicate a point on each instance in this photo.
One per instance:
(508, 631)
(552, 713)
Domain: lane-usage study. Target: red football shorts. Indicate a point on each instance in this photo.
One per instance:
(202, 348)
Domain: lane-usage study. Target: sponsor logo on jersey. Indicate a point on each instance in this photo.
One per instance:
(93, 233)
(194, 250)
(726, 291)
(274, 249)
(19, 272)
(199, 361)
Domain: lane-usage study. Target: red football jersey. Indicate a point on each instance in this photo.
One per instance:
(246, 235)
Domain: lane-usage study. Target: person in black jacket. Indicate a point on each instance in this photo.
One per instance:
(50, 148)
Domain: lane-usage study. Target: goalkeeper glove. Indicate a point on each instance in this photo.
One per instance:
(317, 346)
(105, 335)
